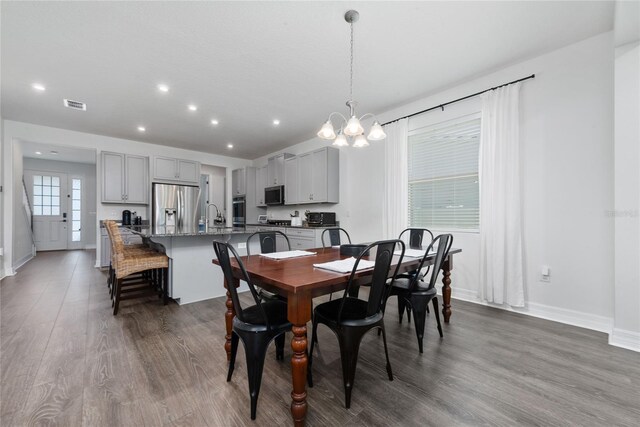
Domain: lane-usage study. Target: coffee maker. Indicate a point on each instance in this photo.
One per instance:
(126, 217)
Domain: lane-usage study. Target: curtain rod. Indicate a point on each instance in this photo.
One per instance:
(460, 99)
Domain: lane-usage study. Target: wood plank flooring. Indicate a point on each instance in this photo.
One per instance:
(66, 360)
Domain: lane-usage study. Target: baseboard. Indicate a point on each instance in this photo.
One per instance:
(22, 261)
(625, 339)
(88, 247)
(2, 274)
(542, 311)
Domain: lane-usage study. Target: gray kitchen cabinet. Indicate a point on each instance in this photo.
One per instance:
(320, 181)
(304, 238)
(291, 181)
(125, 178)
(275, 169)
(105, 249)
(261, 183)
(239, 182)
(170, 169)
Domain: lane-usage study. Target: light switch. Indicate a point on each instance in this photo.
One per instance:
(545, 273)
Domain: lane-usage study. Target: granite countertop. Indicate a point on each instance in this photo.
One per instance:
(145, 231)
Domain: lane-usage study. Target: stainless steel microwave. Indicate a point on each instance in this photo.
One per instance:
(274, 195)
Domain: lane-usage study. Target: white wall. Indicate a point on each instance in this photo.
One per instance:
(2, 193)
(567, 155)
(216, 195)
(88, 174)
(17, 131)
(626, 215)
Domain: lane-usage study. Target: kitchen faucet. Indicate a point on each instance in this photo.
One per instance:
(219, 219)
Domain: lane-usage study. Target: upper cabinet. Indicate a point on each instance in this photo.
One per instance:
(239, 182)
(125, 178)
(275, 169)
(261, 184)
(170, 169)
(319, 176)
(291, 181)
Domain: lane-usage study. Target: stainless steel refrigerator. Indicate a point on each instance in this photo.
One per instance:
(175, 208)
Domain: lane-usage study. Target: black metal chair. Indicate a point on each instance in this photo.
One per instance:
(350, 318)
(334, 234)
(256, 326)
(268, 241)
(414, 238)
(268, 245)
(414, 293)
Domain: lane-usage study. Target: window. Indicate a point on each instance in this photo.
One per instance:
(76, 210)
(443, 175)
(46, 195)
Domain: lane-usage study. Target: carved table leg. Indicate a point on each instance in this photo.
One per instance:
(228, 318)
(446, 289)
(299, 373)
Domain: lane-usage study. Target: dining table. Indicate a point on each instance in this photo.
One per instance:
(300, 282)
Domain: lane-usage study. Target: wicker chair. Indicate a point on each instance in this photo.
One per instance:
(127, 265)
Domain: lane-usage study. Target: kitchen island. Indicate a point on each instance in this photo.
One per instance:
(192, 276)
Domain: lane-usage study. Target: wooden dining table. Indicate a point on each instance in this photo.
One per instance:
(299, 281)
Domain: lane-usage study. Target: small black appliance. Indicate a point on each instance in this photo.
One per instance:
(126, 217)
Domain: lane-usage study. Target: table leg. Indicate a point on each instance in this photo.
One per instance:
(299, 363)
(446, 289)
(228, 318)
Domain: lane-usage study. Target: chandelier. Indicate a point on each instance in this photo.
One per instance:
(351, 127)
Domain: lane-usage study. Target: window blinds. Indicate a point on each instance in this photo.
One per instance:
(443, 175)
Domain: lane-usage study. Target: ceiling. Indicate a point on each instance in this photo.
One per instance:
(248, 63)
(57, 152)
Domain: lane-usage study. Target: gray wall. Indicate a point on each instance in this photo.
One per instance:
(88, 174)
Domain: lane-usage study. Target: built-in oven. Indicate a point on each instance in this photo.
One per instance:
(274, 195)
(239, 211)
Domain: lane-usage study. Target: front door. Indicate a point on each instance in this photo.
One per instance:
(49, 203)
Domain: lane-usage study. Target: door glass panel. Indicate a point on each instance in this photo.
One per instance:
(76, 210)
(43, 189)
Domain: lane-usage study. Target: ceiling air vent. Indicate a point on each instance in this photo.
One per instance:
(76, 105)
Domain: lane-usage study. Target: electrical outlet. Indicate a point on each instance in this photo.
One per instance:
(242, 245)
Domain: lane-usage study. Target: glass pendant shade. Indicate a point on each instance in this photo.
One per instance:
(341, 140)
(353, 127)
(376, 133)
(361, 141)
(327, 131)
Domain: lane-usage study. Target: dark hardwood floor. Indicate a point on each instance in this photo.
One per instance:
(67, 361)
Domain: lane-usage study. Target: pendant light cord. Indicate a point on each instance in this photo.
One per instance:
(351, 67)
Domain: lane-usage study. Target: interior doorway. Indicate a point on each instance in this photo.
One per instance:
(59, 187)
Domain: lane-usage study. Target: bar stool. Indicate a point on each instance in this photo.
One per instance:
(137, 272)
(138, 247)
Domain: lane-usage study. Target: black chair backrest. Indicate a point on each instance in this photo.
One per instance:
(383, 257)
(334, 236)
(268, 241)
(416, 237)
(444, 242)
(222, 250)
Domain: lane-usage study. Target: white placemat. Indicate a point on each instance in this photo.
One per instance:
(287, 254)
(413, 253)
(345, 265)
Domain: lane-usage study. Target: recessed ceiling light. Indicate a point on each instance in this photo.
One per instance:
(229, 146)
(193, 107)
(38, 152)
(39, 87)
(53, 152)
(214, 122)
(163, 87)
(276, 122)
(141, 128)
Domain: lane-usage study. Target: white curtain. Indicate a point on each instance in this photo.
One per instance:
(501, 268)
(395, 209)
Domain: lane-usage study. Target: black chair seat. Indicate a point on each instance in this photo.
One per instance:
(420, 287)
(275, 310)
(354, 313)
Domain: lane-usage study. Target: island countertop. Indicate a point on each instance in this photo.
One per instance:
(146, 231)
